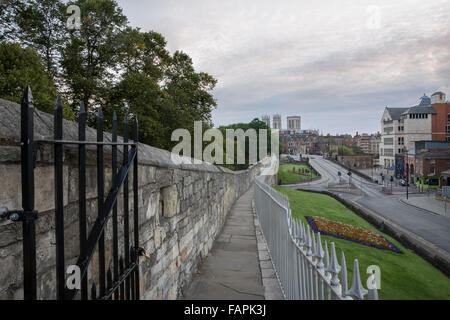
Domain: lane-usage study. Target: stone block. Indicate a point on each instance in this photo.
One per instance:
(152, 205)
(170, 200)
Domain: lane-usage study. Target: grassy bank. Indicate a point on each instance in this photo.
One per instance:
(403, 276)
(289, 177)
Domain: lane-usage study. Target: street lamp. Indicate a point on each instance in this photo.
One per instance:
(407, 181)
(372, 169)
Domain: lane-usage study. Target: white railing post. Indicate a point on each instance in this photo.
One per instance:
(305, 269)
(314, 267)
(326, 272)
(320, 267)
(334, 268)
(357, 291)
(309, 263)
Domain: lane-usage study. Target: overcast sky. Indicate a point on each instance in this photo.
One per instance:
(336, 63)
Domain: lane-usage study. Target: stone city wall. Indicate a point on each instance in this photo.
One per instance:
(182, 208)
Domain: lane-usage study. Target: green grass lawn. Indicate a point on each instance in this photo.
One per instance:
(289, 177)
(403, 275)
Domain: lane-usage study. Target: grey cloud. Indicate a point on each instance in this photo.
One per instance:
(317, 59)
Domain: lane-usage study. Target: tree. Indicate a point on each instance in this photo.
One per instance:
(21, 67)
(160, 89)
(89, 58)
(190, 90)
(255, 124)
(143, 52)
(140, 95)
(36, 24)
(107, 63)
(345, 151)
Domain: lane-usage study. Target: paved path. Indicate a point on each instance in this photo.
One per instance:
(231, 270)
(429, 203)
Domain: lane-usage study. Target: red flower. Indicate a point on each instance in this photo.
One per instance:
(352, 232)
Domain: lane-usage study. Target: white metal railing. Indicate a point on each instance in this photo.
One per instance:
(304, 267)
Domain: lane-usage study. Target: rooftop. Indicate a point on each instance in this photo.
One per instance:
(420, 109)
(396, 112)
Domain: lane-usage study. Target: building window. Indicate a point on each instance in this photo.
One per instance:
(447, 128)
(447, 139)
(388, 129)
(448, 117)
(432, 170)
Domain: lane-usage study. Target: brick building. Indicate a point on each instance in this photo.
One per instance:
(440, 122)
(360, 161)
(426, 162)
(295, 143)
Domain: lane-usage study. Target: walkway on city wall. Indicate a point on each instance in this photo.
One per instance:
(231, 271)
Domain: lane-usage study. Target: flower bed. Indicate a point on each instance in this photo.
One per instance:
(300, 173)
(351, 233)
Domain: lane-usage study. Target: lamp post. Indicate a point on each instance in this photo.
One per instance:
(407, 182)
(372, 169)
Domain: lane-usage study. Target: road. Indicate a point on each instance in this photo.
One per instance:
(431, 227)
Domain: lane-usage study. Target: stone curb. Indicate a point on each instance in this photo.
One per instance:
(436, 256)
(432, 212)
(272, 290)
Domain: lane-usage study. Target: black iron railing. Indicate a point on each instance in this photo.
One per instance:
(122, 280)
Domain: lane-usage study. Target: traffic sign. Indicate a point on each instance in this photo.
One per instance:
(446, 191)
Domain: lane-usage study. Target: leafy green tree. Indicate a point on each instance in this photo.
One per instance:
(36, 24)
(103, 63)
(89, 58)
(255, 124)
(158, 88)
(345, 151)
(140, 95)
(143, 52)
(357, 150)
(189, 89)
(21, 67)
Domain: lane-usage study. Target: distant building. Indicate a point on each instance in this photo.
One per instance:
(276, 122)
(266, 120)
(293, 123)
(369, 144)
(330, 144)
(295, 143)
(359, 161)
(440, 122)
(401, 127)
(426, 162)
